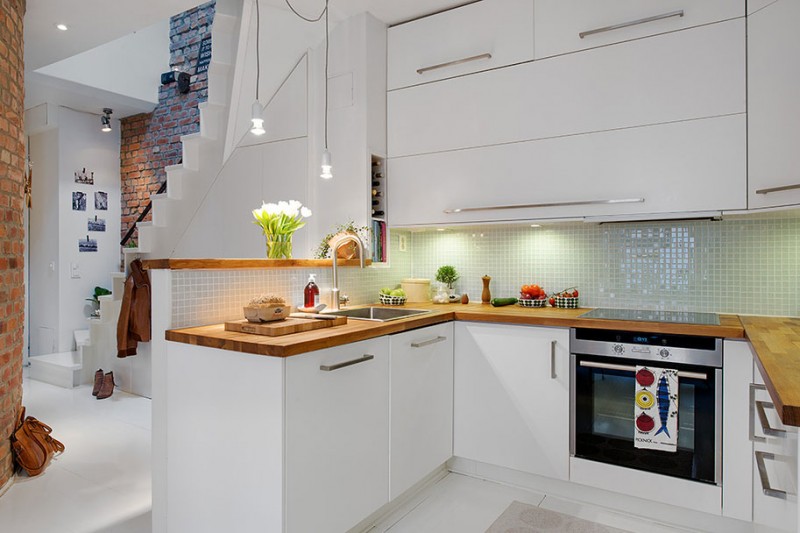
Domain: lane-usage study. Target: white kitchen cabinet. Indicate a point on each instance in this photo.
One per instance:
(737, 448)
(690, 166)
(773, 106)
(673, 77)
(563, 26)
(775, 451)
(474, 37)
(337, 432)
(512, 397)
(421, 400)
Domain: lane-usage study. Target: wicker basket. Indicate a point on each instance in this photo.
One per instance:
(567, 302)
(392, 300)
(532, 303)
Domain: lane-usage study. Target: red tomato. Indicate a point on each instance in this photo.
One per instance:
(575, 293)
(553, 302)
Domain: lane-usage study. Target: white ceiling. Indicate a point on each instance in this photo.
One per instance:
(93, 23)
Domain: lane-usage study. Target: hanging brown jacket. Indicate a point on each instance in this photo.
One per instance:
(133, 326)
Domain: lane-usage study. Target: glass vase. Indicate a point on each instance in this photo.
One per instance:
(279, 246)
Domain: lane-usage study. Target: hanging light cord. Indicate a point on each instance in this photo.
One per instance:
(258, 48)
(325, 10)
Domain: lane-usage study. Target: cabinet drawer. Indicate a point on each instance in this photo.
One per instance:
(697, 165)
(563, 26)
(475, 37)
(678, 76)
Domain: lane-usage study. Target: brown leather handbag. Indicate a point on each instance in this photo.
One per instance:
(32, 444)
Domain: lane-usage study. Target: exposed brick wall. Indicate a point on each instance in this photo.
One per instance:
(12, 233)
(152, 141)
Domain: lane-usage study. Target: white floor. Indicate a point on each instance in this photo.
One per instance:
(101, 484)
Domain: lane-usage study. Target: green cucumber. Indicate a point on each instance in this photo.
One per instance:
(500, 302)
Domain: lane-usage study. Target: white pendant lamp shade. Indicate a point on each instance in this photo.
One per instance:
(257, 127)
(326, 166)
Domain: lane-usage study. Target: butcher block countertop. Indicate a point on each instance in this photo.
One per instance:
(776, 341)
(215, 336)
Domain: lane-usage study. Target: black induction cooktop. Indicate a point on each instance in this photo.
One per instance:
(640, 315)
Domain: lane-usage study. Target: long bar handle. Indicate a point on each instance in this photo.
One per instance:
(550, 204)
(428, 342)
(764, 475)
(621, 25)
(779, 189)
(752, 413)
(553, 359)
(337, 366)
(423, 70)
(631, 368)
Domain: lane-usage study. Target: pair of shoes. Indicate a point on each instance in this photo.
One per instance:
(106, 387)
(98, 382)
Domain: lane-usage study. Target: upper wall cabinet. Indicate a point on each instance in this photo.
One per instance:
(563, 26)
(682, 75)
(475, 37)
(773, 105)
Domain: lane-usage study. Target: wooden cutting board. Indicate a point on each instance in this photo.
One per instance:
(283, 327)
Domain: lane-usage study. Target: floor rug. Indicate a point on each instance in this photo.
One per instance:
(523, 518)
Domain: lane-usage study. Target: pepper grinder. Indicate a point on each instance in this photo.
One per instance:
(486, 295)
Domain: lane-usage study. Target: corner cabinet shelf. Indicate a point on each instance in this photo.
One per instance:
(237, 264)
(378, 210)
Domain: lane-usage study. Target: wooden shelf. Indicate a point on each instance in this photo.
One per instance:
(240, 264)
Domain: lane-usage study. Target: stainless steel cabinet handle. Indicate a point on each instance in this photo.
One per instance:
(631, 368)
(752, 413)
(779, 189)
(631, 23)
(762, 473)
(428, 342)
(550, 204)
(423, 70)
(337, 366)
(553, 359)
(764, 421)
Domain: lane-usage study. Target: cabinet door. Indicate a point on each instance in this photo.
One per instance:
(478, 36)
(563, 26)
(337, 432)
(678, 76)
(512, 397)
(697, 165)
(737, 448)
(773, 83)
(421, 404)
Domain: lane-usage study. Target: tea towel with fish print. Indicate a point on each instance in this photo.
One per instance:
(656, 409)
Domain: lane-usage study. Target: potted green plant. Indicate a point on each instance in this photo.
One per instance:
(448, 275)
(348, 251)
(95, 299)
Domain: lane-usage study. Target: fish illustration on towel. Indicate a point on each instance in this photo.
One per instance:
(663, 399)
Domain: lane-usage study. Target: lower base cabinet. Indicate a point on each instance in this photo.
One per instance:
(512, 397)
(421, 400)
(337, 436)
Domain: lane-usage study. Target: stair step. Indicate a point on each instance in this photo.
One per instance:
(176, 176)
(225, 33)
(61, 369)
(212, 120)
(220, 81)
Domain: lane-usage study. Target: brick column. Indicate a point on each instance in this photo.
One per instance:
(12, 233)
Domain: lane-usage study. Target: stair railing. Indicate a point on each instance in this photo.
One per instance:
(143, 214)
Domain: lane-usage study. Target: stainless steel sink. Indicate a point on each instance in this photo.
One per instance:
(378, 314)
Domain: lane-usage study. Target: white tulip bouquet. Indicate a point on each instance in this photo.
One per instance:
(279, 222)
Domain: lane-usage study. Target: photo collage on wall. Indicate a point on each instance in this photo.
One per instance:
(79, 203)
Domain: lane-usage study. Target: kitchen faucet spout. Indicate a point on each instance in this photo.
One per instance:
(335, 252)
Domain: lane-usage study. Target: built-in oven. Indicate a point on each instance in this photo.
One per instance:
(603, 396)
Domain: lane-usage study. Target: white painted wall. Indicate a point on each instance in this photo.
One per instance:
(129, 66)
(58, 303)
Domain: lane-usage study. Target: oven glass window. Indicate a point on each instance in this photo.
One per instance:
(604, 422)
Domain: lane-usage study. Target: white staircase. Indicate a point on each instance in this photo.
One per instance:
(189, 182)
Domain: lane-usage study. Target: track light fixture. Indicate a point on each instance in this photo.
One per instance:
(105, 120)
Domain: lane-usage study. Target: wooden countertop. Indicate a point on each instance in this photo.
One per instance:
(215, 336)
(776, 341)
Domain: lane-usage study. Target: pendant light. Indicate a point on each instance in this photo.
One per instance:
(325, 164)
(257, 111)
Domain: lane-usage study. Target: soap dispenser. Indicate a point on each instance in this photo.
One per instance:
(311, 292)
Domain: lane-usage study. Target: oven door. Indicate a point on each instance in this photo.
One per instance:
(602, 418)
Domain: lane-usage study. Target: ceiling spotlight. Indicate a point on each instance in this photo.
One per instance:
(62, 27)
(105, 120)
(536, 225)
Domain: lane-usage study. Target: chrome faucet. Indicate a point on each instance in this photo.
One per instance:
(335, 253)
